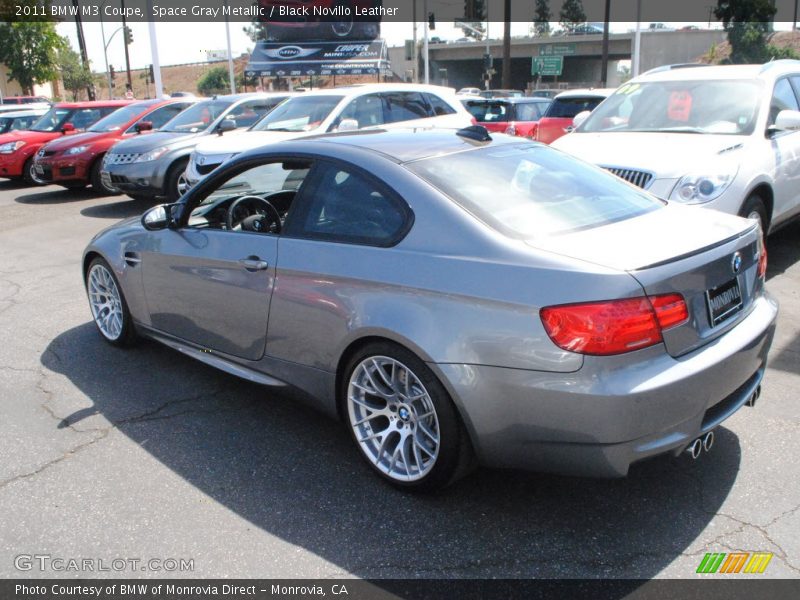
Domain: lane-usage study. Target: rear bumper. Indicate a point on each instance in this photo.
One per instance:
(614, 411)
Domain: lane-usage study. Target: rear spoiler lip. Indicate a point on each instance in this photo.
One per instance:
(722, 242)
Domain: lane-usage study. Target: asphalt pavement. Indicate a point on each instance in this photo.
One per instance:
(109, 454)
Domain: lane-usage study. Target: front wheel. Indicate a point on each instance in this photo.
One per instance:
(29, 173)
(177, 184)
(96, 177)
(755, 208)
(401, 418)
(109, 309)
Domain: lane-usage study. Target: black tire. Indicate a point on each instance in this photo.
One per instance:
(754, 207)
(97, 181)
(127, 332)
(173, 177)
(27, 173)
(454, 455)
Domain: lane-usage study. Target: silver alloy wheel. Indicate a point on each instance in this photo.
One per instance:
(182, 185)
(105, 302)
(393, 418)
(33, 176)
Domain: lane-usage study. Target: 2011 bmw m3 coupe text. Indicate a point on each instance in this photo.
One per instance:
(453, 299)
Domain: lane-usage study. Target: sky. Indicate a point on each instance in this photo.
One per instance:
(180, 43)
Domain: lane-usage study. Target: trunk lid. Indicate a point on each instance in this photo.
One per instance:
(682, 250)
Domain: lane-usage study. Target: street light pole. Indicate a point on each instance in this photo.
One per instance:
(105, 50)
(425, 42)
(230, 55)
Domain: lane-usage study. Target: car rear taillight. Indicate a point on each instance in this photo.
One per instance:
(762, 262)
(613, 326)
(474, 121)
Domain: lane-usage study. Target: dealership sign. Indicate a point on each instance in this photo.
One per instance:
(271, 59)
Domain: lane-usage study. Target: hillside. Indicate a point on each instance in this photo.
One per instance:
(781, 39)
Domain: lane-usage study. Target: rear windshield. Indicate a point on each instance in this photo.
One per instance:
(567, 108)
(489, 112)
(531, 191)
(299, 113)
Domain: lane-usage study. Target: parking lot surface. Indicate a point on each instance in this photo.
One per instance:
(147, 454)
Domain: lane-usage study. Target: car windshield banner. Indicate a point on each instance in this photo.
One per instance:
(271, 59)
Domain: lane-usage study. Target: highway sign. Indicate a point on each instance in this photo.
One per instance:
(547, 65)
(557, 49)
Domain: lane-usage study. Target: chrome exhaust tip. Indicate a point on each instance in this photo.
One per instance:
(708, 441)
(695, 448)
(751, 401)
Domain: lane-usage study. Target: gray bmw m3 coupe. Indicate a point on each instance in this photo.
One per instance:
(453, 298)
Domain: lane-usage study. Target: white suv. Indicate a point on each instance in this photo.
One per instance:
(337, 109)
(725, 137)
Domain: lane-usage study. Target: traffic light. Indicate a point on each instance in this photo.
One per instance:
(150, 74)
(431, 21)
(112, 74)
(128, 35)
(488, 62)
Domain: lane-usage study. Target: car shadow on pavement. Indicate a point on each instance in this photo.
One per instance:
(123, 208)
(782, 249)
(7, 185)
(295, 474)
(57, 196)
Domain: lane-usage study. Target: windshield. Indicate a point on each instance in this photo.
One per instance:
(117, 119)
(52, 120)
(719, 107)
(531, 191)
(198, 117)
(300, 113)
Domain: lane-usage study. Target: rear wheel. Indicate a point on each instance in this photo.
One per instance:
(97, 180)
(109, 309)
(401, 418)
(755, 208)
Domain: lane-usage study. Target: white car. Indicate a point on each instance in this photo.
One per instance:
(724, 137)
(349, 108)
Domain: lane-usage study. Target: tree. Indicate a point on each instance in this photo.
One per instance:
(74, 74)
(748, 23)
(30, 52)
(541, 17)
(256, 31)
(571, 14)
(215, 81)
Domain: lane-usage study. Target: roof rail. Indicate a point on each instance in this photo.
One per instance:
(675, 66)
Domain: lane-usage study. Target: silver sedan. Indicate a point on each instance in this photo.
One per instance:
(454, 299)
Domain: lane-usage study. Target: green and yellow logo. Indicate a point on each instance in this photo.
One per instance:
(734, 562)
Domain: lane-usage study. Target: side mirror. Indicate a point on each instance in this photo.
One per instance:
(143, 126)
(580, 118)
(226, 125)
(787, 120)
(67, 128)
(157, 217)
(347, 125)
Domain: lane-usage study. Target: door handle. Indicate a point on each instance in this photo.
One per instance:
(254, 263)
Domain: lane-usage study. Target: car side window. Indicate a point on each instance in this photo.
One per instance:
(87, 117)
(405, 106)
(342, 205)
(367, 110)
(237, 202)
(783, 98)
(160, 116)
(438, 106)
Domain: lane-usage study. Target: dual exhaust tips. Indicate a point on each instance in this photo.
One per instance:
(702, 443)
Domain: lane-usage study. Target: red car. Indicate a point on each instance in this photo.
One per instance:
(558, 119)
(514, 116)
(75, 161)
(300, 20)
(17, 148)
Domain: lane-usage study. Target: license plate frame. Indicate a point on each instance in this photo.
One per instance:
(724, 301)
(39, 169)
